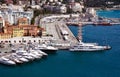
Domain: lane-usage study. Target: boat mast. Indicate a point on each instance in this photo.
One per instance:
(79, 32)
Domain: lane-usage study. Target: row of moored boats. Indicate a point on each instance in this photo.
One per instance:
(21, 55)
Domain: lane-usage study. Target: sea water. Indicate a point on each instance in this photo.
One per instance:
(77, 64)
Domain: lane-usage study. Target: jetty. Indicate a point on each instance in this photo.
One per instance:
(63, 37)
(112, 21)
(57, 27)
(75, 19)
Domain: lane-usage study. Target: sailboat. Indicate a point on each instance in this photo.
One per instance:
(81, 46)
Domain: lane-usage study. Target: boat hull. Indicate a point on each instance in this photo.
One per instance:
(7, 63)
(48, 51)
(103, 24)
(89, 50)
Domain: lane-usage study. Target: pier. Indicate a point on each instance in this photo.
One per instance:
(62, 41)
(77, 23)
(89, 23)
(112, 21)
(57, 25)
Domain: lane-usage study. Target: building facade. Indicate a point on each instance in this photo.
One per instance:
(12, 13)
(18, 32)
(5, 35)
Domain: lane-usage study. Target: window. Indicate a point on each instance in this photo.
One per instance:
(14, 41)
(9, 41)
(19, 41)
(6, 41)
(24, 41)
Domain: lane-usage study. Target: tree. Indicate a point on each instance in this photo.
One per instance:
(33, 20)
(3, 1)
(14, 1)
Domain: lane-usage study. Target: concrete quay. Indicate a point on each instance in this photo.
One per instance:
(75, 19)
(77, 23)
(89, 23)
(61, 41)
(57, 25)
(70, 37)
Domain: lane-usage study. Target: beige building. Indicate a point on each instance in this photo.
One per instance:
(5, 35)
(22, 21)
(18, 32)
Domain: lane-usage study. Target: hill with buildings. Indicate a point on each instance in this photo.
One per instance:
(87, 3)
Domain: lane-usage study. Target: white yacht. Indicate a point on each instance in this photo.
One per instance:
(40, 52)
(37, 54)
(24, 54)
(46, 48)
(33, 55)
(13, 58)
(7, 61)
(81, 46)
(21, 58)
(29, 57)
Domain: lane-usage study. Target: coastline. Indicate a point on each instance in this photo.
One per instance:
(84, 64)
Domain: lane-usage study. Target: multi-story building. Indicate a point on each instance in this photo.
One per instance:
(5, 35)
(12, 13)
(16, 15)
(18, 32)
(1, 23)
(23, 21)
(91, 11)
(22, 29)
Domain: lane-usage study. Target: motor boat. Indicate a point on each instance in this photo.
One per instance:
(46, 48)
(6, 61)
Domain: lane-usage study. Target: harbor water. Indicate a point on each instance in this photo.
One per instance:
(109, 13)
(77, 64)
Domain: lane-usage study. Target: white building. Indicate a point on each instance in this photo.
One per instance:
(2, 22)
(91, 11)
(12, 13)
(50, 0)
(77, 7)
(17, 14)
(63, 9)
(71, 1)
(33, 2)
(35, 6)
(17, 40)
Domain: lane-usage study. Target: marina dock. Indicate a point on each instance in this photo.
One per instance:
(56, 26)
(19, 54)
